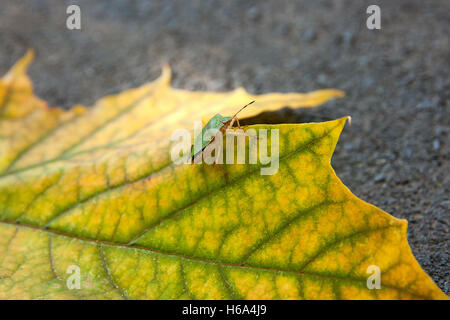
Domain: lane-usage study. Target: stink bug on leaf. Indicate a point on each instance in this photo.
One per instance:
(217, 125)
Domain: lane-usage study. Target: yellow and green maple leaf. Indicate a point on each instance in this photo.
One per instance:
(95, 188)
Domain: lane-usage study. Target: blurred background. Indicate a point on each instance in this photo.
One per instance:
(395, 154)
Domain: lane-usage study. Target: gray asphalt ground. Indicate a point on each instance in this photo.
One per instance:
(395, 154)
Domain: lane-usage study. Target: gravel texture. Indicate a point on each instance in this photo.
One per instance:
(395, 154)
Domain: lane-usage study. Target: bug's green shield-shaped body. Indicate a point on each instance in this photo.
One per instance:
(214, 124)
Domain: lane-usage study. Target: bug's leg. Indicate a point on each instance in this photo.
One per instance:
(230, 125)
(242, 134)
(192, 157)
(233, 133)
(225, 174)
(237, 120)
(197, 158)
(216, 163)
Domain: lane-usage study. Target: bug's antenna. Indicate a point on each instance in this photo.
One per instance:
(243, 108)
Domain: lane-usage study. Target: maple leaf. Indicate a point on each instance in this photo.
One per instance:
(93, 191)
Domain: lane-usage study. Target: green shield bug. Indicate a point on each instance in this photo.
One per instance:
(218, 124)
